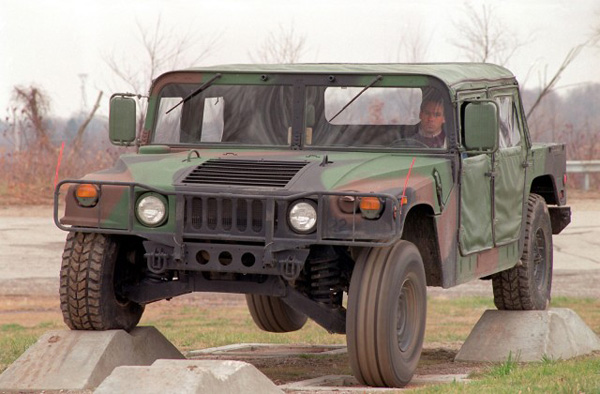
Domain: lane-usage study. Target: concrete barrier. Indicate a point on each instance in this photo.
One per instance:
(557, 333)
(189, 377)
(75, 360)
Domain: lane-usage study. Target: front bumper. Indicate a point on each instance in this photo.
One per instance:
(225, 231)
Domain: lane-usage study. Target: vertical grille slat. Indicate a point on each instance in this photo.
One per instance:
(226, 214)
(257, 215)
(264, 173)
(242, 215)
(197, 213)
(212, 213)
(229, 215)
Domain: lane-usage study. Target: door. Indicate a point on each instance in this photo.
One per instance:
(492, 184)
(509, 171)
(475, 233)
(476, 230)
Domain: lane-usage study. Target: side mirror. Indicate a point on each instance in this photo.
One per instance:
(122, 118)
(481, 126)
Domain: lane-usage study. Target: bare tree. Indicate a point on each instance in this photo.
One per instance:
(12, 131)
(31, 105)
(549, 84)
(79, 136)
(161, 50)
(413, 46)
(285, 46)
(483, 36)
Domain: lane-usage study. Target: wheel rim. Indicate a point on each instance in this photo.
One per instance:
(539, 259)
(406, 315)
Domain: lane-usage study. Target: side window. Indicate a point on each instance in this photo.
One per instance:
(510, 133)
(516, 137)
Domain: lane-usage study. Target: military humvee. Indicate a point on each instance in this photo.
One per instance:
(295, 184)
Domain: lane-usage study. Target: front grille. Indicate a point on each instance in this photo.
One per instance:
(266, 173)
(239, 215)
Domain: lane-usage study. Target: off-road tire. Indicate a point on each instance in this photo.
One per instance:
(271, 314)
(385, 321)
(527, 286)
(89, 274)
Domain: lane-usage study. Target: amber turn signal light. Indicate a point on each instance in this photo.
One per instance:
(86, 195)
(370, 204)
(371, 207)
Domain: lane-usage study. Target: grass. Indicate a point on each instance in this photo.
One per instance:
(197, 328)
(580, 375)
(505, 368)
(15, 339)
(449, 322)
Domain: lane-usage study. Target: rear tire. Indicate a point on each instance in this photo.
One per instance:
(385, 324)
(527, 286)
(271, 314)
(91, 277)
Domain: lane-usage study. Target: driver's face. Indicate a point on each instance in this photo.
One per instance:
(432, 118)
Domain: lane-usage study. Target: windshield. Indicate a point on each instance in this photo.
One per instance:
(333, 116)
(379, 117)
(245, 114)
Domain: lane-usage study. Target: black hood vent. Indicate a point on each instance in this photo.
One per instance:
(266, 173)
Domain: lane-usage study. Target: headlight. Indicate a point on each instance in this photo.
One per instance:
(302, 216)
(151, 209)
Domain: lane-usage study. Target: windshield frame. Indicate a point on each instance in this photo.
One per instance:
(299, 84)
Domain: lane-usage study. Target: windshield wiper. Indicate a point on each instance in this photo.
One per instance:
(195, 92)
(377, 78)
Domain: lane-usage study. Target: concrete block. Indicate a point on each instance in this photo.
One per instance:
(187, 377)
(78, 360)
(557, 333)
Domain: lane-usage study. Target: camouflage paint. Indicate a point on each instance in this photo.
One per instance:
(549, 160)
(347, 171)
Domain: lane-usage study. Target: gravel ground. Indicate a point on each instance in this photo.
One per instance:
(35, 272)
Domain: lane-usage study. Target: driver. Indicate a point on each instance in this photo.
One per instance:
(430, 130)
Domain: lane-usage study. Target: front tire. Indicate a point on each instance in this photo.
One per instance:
(271, 314)
(527, 286)
(91, 276)
(385, 324)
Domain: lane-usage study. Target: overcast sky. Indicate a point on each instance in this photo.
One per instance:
(50, 44)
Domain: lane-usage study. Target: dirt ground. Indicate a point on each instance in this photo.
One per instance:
(32, 301)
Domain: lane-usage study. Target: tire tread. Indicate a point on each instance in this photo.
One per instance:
(512, 287)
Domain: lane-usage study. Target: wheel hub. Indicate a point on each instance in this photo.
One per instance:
(406, 315)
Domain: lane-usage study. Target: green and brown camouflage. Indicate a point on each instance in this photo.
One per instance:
(462, 205)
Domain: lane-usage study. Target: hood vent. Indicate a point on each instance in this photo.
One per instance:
(265, 173)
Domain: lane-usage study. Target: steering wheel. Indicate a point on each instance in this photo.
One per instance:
(410, 142)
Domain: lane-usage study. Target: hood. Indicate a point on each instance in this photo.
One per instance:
(304, 170)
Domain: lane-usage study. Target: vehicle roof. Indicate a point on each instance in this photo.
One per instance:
(452, 74)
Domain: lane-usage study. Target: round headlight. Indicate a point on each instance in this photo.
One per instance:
(303, 216)
(151, 210)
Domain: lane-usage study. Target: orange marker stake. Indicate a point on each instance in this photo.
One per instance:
(403, 198)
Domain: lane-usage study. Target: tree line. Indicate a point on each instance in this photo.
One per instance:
(30, 136)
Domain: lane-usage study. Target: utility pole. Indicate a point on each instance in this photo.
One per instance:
(83, 78)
